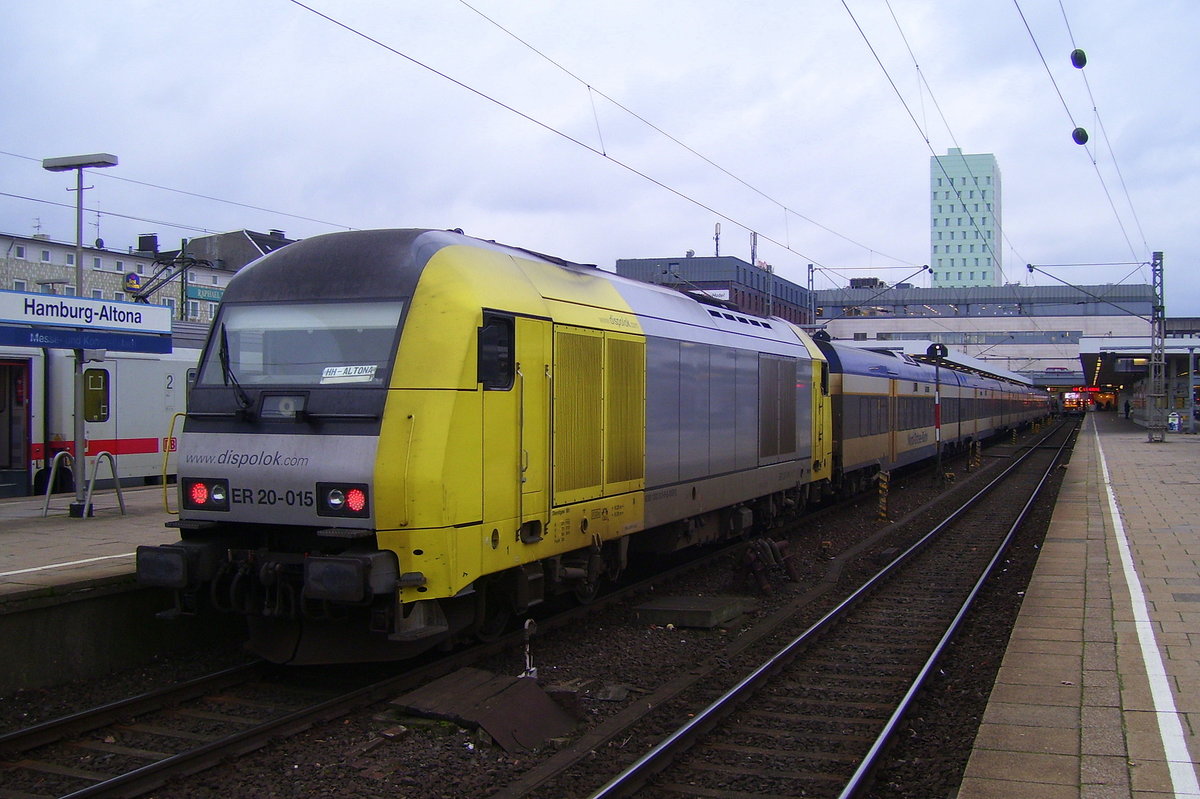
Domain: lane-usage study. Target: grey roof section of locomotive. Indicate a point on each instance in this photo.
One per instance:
(666, 313)
(335, 264)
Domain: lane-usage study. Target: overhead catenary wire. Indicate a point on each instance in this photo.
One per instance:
(1097, 297)
(920, 130)
(108, 176)
(990, 249)
(548, 128)
(801, 243)
(114, 214)
(1104, 133)
(925, 136)
(592, 90)
(1070, 116)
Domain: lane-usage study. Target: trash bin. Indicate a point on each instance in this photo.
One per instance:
(1173, 422)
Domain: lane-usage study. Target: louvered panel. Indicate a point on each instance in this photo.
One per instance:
(625, 416)
(578, 414)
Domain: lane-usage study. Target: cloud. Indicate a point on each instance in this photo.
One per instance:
(269, 105)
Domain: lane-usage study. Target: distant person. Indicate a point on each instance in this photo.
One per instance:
(1127, 409)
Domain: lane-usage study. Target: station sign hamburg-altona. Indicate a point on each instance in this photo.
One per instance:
(97, 320)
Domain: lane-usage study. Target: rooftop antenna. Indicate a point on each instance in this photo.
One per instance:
(37, 225)
(717, 239)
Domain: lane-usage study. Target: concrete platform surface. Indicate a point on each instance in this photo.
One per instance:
(41, 555)
(1098, 695)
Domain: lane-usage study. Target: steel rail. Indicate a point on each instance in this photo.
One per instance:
(860, 779)
(194, 760)
(56, 729)
(191, 761)
(637, 774)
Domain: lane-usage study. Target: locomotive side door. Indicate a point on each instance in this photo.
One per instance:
(515, 423)
(534, 337)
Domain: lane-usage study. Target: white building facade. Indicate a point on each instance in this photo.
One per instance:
(1033, 330)
(40, 265)
(965, 220)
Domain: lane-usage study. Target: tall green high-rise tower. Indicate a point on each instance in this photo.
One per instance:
(965, 231)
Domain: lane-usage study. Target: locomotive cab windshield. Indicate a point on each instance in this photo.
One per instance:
(314, 344)
(271, 356)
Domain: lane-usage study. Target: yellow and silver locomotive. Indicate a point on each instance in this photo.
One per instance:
(400, 436)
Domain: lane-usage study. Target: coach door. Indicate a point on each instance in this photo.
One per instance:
(14, 428)
(515, 421)
(99, 416)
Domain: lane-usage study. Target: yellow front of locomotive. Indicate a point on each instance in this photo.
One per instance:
(487, 468)
(433, 459)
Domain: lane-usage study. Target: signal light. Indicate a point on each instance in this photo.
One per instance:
(356, 500)
(340, 499)
(205, 494)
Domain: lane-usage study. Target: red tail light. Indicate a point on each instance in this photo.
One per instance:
(356, 500)
(349, 500)
(205, 494)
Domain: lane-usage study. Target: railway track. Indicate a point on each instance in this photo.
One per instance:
(813, 717)
(132, 746)
(98, 753)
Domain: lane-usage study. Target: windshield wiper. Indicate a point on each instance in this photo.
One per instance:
(230, 378)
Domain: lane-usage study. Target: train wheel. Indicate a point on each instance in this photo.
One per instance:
(586, 589)
(493, 613)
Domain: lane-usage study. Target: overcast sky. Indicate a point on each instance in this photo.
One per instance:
(261, 114)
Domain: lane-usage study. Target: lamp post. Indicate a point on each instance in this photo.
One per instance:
(66, 164)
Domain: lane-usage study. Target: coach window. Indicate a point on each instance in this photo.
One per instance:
(495, 366)
(95, 395)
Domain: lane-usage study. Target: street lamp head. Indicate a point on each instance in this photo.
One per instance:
(69, 162)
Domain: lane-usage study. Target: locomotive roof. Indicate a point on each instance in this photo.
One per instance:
(356, 264)
(338, 266)
(388, 263)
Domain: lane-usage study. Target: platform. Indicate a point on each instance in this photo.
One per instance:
(1098, 695)
(41, 555)
(70, 608)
